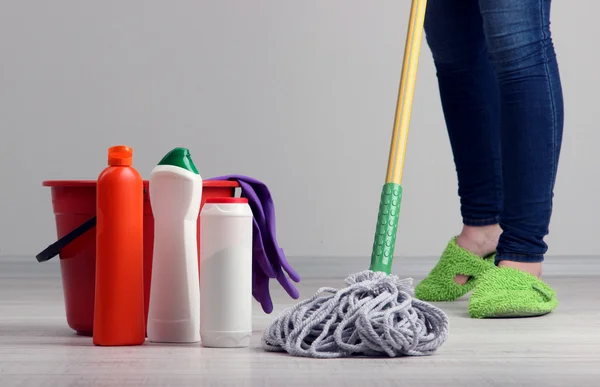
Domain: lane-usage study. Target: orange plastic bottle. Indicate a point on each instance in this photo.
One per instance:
(119, 297)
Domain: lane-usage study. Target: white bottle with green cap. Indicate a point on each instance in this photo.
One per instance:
(175, 196)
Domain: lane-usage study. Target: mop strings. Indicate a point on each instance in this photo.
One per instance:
(375, 315)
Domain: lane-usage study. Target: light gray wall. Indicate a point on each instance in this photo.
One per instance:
(299, 94)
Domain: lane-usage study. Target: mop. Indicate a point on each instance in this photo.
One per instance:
(377, 313)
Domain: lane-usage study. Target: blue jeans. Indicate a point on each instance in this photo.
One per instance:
(501, 95)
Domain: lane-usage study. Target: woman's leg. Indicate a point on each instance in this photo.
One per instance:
(470, 100)
(531, 124)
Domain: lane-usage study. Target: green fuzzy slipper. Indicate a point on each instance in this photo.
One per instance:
(508, 292)
(439, 284)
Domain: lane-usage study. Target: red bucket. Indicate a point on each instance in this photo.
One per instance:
(74, 204)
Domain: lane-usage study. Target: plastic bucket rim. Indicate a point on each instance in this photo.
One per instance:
(92, 183)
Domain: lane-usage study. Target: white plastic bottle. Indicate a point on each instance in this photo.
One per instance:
(226, 273)
(175, 196)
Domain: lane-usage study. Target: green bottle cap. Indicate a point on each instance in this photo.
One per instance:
(179, 157)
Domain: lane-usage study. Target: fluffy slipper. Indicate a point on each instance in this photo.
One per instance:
(508, 292)
(439, 284)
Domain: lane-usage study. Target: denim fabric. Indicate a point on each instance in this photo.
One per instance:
(501, 95)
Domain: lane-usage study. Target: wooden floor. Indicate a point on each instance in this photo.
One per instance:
(562, 349)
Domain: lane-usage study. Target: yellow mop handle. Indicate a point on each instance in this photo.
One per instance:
(391, 194)
(406, 92)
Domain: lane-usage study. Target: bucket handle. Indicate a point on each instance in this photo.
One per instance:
(53, 250)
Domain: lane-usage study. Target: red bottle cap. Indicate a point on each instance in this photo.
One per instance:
(226, 200)
(120, 155)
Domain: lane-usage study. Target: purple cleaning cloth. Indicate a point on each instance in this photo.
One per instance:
(268, 259)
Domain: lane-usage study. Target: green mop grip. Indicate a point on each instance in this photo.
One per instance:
(387, 226)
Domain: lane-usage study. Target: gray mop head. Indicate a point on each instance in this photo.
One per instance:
(375, 315)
